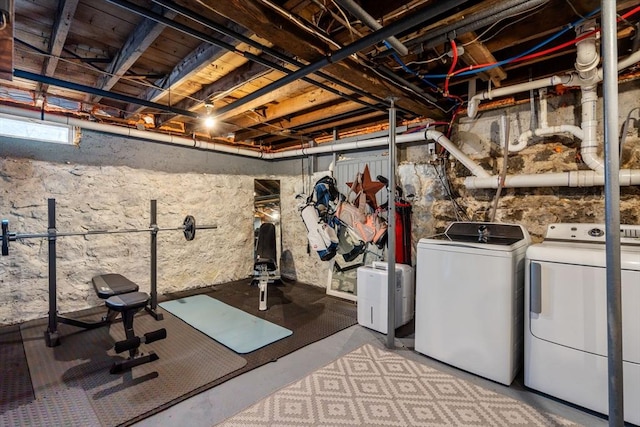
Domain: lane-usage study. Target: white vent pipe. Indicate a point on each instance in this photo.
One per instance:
(126, 131)
(572, 79)
(587, 77)
(355, 143)
(582, 178)
(544, 129)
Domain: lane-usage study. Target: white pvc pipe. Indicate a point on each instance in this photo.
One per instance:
(567, 80)
(474, 102)
(126, 131)
(589, 146)
(441, 139)
(360, 142)
(587, 56)
(582, 178)
(523, 140)
(544, 129)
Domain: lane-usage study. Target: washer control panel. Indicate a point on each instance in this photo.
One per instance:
(590, 233)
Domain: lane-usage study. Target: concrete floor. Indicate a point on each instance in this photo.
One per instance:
(215, 405)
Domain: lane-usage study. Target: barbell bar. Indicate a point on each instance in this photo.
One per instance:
(188, 228)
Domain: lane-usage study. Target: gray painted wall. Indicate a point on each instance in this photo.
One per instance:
(102, 149)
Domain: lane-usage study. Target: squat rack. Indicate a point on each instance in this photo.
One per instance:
(52, 337)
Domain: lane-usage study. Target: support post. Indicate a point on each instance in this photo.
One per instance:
(153, 292)
(391, 231)
(612, 213)
(51, 336)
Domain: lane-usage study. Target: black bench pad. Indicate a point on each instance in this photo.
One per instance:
(130, 301)
(108, 285)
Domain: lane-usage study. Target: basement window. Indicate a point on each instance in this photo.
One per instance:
(35, 130)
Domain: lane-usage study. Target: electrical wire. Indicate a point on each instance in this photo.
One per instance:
(427, 61)
(528, 12)
(625, 128)
(454, 62)
(458, 210)
(474, 69)
(574, 9)
(346, 20)
(4, 20)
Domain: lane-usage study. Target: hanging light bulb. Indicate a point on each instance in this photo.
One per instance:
(209, 120)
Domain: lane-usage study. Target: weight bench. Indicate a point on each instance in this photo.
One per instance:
(122, 297)
(266, 264)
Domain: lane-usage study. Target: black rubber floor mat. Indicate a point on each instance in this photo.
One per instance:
(188, 361)
(73, 387)
(15, 389)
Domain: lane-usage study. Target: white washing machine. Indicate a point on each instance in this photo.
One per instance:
(469, 298)
(373, 295)
(566, 316)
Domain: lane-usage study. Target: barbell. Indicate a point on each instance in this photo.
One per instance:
(188, 228)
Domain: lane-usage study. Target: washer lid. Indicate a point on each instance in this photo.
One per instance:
(481, 235)
(486, 232)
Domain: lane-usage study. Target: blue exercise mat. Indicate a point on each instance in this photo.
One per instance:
(236, 329)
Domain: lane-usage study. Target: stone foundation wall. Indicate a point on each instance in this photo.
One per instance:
(101, 198)
(535, 208)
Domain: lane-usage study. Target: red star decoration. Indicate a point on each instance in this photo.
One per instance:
(368, 187)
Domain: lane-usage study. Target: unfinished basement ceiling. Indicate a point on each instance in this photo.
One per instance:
(163, 65)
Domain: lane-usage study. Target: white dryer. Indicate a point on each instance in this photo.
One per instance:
(469, 298)
(566, 316)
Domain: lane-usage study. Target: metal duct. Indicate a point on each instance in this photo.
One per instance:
(355, 9)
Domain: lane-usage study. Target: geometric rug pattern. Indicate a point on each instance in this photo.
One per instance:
(374, 387)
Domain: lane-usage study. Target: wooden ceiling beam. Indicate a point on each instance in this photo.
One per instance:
(59, 32)
(284, 33)
(476, 53)
(289, 107)
(292, 89)
(222, 87)
(137, 43)
(361, 120)
(201, 57)
(299, 120)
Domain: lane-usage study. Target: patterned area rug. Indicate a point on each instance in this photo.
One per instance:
(374, 387)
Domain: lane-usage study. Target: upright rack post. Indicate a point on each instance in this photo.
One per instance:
(51, 334)
(153, 227)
